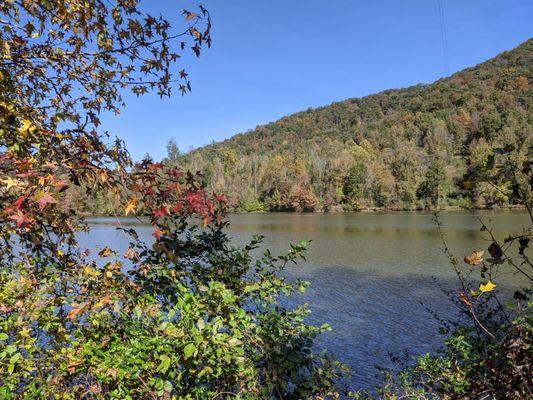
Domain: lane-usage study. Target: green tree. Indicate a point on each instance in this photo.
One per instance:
(431, 189)
(173, 152)
(402, 132)
(355, 185)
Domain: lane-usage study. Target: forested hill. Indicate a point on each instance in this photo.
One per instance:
(400, 149)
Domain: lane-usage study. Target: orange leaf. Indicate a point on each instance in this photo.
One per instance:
(73, 313)
(475, 258)
(189, 15)
(103, 301)
(106, 252)
(103, 176)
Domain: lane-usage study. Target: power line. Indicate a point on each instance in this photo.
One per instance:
(444, 36)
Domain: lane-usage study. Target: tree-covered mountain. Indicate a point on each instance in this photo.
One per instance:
(399, 149)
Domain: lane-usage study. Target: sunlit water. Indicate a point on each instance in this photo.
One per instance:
(373, 275)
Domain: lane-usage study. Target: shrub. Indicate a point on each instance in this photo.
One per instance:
(192, 317)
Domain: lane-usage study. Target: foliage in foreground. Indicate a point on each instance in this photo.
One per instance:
(185, 316)
(192, 318)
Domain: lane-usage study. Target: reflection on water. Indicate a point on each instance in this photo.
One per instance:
(373, 274)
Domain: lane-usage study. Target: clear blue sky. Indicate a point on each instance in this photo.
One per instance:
(271, 58)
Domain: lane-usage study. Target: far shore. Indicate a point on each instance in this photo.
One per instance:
(338, 211)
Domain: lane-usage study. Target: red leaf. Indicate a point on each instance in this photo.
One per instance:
(45, 199)
(221, 198)
(154, 167)
(17, 205)
(23, 220)
(161, 212)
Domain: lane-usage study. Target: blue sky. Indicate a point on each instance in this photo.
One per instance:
(271, 58)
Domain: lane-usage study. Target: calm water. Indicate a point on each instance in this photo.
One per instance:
(372, 274)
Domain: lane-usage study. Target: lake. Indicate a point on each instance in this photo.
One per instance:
(373, 275)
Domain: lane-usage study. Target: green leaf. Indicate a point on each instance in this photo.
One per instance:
(14, 358)
(11, 349)
(165, 364)
(189, 350)
(137, 311)
(234, 342)
(200, 323)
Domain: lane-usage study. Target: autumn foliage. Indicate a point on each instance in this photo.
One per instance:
(186, 314)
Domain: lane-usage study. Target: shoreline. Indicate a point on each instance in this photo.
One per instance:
(386, 209)
(364, 210)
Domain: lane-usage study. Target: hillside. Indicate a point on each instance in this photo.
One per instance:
(398, 149)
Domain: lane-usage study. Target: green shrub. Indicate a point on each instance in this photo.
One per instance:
(252, 205)
(193, 318)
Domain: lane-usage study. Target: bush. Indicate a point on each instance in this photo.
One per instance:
(193, 318)
(252, 205)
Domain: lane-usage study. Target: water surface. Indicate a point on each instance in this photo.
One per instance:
(373, 275)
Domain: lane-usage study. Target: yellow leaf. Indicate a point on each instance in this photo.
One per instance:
(91, 271)
(130, 207)
(7, 51)
(103, 176)
(27, 127)
(10, 182)
(488, 287)
(25, 332)
(475, 258)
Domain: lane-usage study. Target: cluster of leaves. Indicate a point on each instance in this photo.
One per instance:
(62, 65)
(399, 149)
(49, 49)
